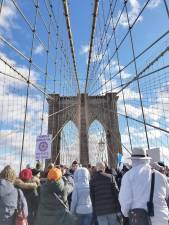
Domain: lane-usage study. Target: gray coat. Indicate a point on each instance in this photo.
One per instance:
(8, 202)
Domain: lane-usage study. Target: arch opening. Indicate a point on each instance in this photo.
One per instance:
(69, 145)
(97, 143)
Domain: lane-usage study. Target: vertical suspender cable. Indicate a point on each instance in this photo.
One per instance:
(27, 90)
(46, 73)
(138, 83)
(123, 96)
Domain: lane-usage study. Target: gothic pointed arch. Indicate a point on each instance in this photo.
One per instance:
(97, 143)
(83, 110)
(69, 147)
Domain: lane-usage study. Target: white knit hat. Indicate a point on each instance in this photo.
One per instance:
(139, 153)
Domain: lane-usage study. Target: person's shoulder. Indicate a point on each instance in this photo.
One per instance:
(160, 176)
(25, 185)
(36, 180)
(107, 176)
(20, 192)
(128, 175)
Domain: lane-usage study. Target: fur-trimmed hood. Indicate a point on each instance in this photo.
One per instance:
(26, 185)
(36, 180)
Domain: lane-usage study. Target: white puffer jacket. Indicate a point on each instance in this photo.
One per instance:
(81, 202)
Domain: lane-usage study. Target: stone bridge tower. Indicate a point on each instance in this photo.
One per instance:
(83, 110)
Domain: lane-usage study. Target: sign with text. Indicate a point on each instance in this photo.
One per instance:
(43, 147)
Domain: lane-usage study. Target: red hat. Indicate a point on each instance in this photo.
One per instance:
(26, 174)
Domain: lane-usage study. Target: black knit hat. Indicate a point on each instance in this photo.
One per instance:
(35, 172)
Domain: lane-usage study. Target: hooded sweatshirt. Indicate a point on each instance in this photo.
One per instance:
(81, 202)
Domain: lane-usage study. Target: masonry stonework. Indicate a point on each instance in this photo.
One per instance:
(83, 110)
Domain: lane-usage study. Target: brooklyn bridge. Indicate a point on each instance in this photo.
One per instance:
(92, 75)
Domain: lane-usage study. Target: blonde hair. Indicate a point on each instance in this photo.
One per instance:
(8, 174)
(100, 166)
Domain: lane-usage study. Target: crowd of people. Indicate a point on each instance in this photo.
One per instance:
(85, 195)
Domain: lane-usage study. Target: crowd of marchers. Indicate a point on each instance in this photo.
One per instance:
(86, 195)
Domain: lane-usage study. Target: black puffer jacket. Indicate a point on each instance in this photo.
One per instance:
(104, 194)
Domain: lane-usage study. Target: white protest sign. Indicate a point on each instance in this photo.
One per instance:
(43, 147)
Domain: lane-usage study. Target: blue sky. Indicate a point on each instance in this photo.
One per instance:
(152, 23)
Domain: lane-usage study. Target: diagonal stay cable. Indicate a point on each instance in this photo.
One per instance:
(140, 77)
(137, 57)
(23, 55)
(121, 42)
(61, 110)
(25, 78)
(166, 6)
(147, 67)
(137, 120)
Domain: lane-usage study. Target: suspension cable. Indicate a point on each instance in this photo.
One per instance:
(95, 12)
(67, 16)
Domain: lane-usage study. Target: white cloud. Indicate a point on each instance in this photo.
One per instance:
(154, 134)
(161, 108)
(152, 112)
(12, 141)
(132, 14)
(12, 109)
(94, 57)
(113, 67)
(84, 49)
(39, 49)
(155, 123)
(164, 154)
(20, 68)
(12, 118)
(108, 85)
(154, 3)
(8, 16)
(138, 136)
(125, 138)
(128, 94)
(132, 111)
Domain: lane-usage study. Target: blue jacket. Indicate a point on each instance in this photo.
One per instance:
(8, 202)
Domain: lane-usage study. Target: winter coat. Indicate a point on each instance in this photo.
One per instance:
(51, 210)
(81, 201)
(70, 177)
(135, 192)
(104, 194)
(9, 202)
(30, 192)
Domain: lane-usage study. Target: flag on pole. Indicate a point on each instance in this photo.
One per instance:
(120, 160)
